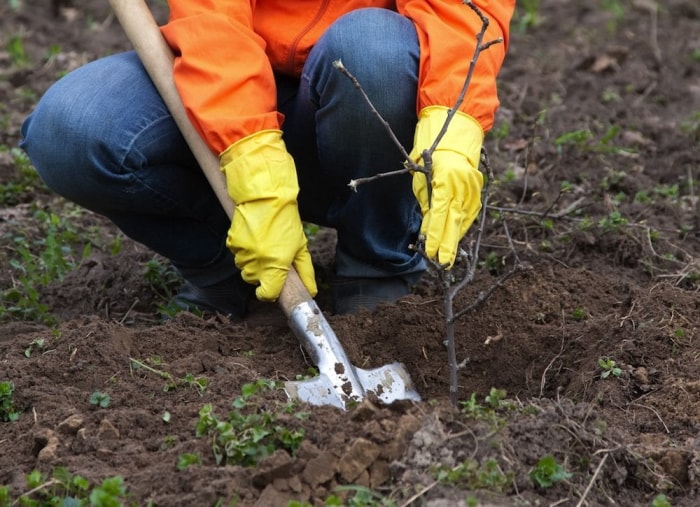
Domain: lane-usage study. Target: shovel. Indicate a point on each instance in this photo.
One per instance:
(339, 383)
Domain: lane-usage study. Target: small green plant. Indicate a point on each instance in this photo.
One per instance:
(608, 367)
(100, 399)
(15, 48)
(642, 197)
(496, 398)
(575, 137)
(111, 493)
(584, 140)
(197, 383)
(501, 132)
(252, 430)
(38, 344)
(169, 441)
(362, 497)
(162, 277)
(39, 260)
(5, 498)
(493, 263)
(67, 490)
(548, 472)
(578, 314)
(311, 230)
(24, 185)
(186, 460)
(527, 15)
(495, 404)
(613, 222)
(470, 474)
(586, 224)
(618, 13)
(661, 500)
(691, 126)
(671, 192)
(7, 402)
(610, 95)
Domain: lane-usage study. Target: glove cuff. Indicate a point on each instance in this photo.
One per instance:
(268, 140)
(464, 134)
(259, 167)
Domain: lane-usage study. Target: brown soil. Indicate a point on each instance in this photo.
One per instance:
(580, 294)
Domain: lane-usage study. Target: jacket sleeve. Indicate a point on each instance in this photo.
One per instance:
(220, 69)
(447, 31)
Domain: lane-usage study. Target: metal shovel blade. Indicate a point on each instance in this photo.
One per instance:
(339, 383)
(387, 384)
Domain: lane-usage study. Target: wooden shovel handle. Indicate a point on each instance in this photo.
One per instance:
(137, 22)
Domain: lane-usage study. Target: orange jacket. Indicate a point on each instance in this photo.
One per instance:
(226, 51)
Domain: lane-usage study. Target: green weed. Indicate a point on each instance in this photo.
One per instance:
(548, 472)
(610, 95)
(38, 344)
(252, 429)
(311, 230)
(527, 15)
(25, 185)
(493, 263)
(362, 497)
(608, 367)
(7, 402)
(186, 460)
(575, 137)
(585, 140)
(38, 258)
(15, 48)
(671, 192)
(618, 13)
(661, 500)
(495, 402)
(67, 490)
(613, 222)
(100, 399)
(199, 384)
(578, 314)
(472, 475)
(162, 277)
(691, 126)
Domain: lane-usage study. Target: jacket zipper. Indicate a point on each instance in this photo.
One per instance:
(293, 47)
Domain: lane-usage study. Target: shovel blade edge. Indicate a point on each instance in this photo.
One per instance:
(387, 384)
(319, 391)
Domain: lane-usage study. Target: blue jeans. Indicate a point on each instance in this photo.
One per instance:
(102, 137)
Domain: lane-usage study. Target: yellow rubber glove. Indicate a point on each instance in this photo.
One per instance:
(266, 234)
(455, 198)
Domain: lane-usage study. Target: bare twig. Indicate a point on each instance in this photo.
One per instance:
(451, 287)
(478, 48)
(339, 65)
(656, 413)
(29, 493)
(420, 494)
(593, 479)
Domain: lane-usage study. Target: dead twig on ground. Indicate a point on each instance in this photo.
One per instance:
(592, 481)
